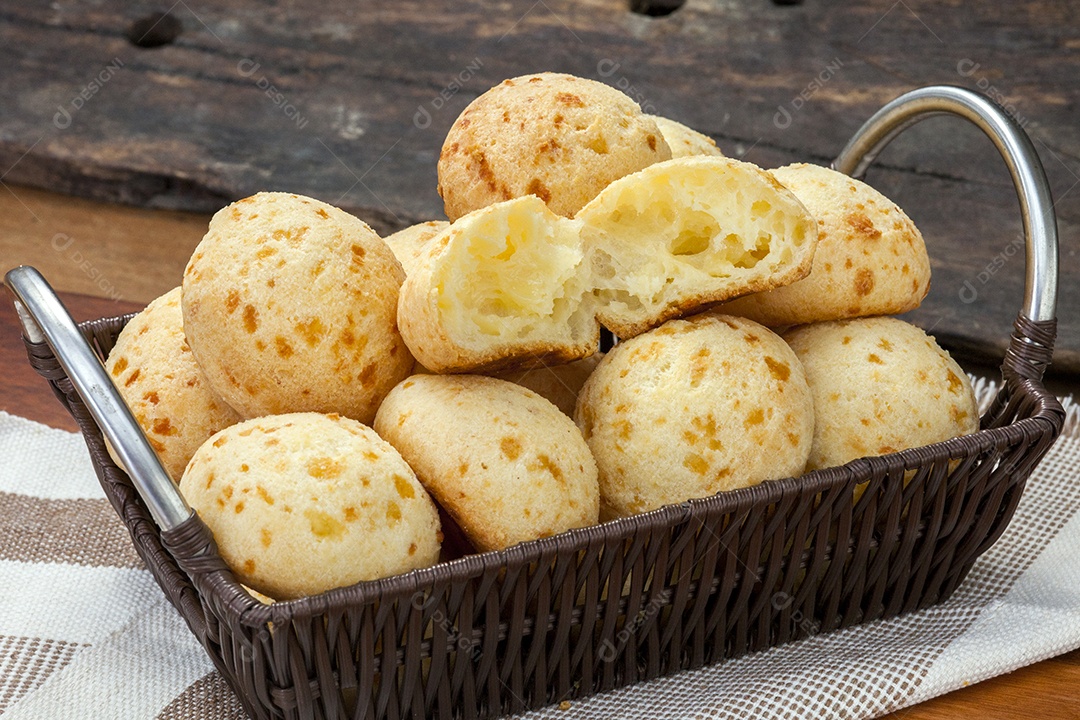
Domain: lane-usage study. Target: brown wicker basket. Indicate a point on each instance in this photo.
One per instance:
(601, 607)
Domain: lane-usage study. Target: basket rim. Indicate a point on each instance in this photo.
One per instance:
(1041, 422)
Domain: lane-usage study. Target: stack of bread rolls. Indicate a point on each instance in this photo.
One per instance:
(330, 401)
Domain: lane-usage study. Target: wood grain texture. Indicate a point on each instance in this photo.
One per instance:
(349, 102)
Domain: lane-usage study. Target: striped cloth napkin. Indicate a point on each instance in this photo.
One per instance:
(86, 633)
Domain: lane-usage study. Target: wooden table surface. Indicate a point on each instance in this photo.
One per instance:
(119, 258)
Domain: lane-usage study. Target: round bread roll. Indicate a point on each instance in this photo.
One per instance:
(870, 259)
(880, 385)
(685, 234)
(694, 407)
(156, 374)
(558, 384)
(559, 137)
(290, 305)
(505, 286)
(684, 141)
(408, 245)
(509, 467)
(302, 503)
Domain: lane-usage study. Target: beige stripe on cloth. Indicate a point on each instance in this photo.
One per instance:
(72, 531)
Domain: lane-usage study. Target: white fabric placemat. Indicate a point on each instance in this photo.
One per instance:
(64, 555)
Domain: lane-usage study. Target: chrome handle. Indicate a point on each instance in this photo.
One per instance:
(44, 319)
(1029, 178)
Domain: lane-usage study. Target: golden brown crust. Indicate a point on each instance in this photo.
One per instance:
(559, 137)
(870, 260)
(511, 467)
(684, 141)
(880, 385)
(157, 376)
(302, 503)
(694, 407)
(410, 244)
(290, 305)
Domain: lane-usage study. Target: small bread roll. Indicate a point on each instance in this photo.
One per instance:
(290, 305)
(302, 503)
(880, 385)
(509, 467)
(558, 384)
(559, 137)
(684, 141)
(507, 285)
(870, 260)
(686, 233)
(692, 408)
(154, 371)
(409, 244)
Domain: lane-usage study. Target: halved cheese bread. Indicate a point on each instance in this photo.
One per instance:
(507, 285)
(684, 234)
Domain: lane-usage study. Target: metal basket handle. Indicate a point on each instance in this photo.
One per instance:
(44, 319)
(1029, 178)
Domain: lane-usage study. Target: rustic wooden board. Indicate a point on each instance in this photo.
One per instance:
(349, 102)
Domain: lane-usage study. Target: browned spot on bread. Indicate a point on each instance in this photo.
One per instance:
(350, 514)
(266, 537)
(367, 375)
(538, 189)
(120, 366)
(265, 252)
(625, 427)
(865, 421)
(264, 495)
(511, 448)
(151, 397)
(755, 417)
(778, 368)
(875, 358)
(347, 337)
(292, 235)
(463, 468)
(163, 426)
(209, 480)
(249, 566)
(793, 439)
(132, 378)
(284, 349)
(322, 213)
(251, 318)
(751, 339)
(412, 548)
(371, 455)
(848, 263)
(651, 140)
(239, 507)
(404, 487)
(955, 383)
(312, 331)
(570, 100)
(863, 225)
(221, 441)
(864, 282)
(393, 512)
(271, 442)
(323, 525)
(232, 301)
(884, 344)
(695, 463)
(958, 415)
(325, 467)
(543, 462)
(358, 253)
